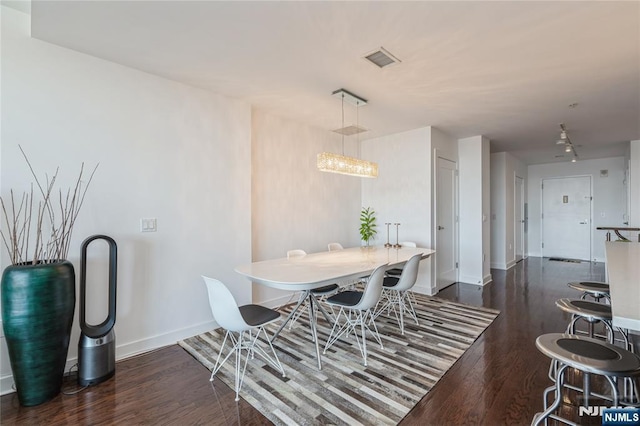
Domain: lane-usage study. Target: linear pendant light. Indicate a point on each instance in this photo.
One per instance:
(342, 164)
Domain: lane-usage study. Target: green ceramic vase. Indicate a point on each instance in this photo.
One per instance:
(38, 302)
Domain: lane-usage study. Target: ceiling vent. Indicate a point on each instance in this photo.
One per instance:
(381, 58)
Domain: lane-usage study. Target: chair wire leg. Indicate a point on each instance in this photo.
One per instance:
(274, 361)
(338, 329)
(411, 309)
(376, 335)
(364, 340)
(401, 311)
(240, 370)
(218, 364)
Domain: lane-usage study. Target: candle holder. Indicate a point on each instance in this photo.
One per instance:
(397, 245)
(388, 244)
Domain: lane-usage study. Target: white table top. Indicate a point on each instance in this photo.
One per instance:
(623, 270)
(318, 269)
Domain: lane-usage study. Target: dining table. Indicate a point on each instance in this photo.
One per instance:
(623, 275)
(315, 270)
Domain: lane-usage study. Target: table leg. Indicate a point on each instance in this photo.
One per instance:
(314, 331)
(323, 310)
(284, 323)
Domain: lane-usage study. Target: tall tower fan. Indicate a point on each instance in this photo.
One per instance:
(97, 345)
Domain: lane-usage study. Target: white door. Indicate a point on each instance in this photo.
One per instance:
(566, 217)
(446, 238)
(519, 218)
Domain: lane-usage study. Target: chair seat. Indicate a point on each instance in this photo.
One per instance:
(320, 291)
(589, 355)
(345, 298)
(584, 308)
(256, 315)
(390, 282)
(590, 286)
(394, 271)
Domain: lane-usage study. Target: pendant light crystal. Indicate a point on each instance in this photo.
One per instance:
(336, 163)
(342, 164)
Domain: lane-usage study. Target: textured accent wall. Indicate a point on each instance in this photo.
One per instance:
(295, 206)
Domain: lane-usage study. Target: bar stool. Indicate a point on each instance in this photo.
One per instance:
(595, 289)
(592, 313)
(591, 356)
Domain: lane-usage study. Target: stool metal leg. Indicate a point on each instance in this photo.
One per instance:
(559, 380)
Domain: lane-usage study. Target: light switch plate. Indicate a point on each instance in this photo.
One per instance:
(148, 224)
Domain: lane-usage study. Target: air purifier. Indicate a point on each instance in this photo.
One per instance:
(97, 344)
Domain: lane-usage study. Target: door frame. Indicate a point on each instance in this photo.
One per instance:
(520, 225)
(591, 229)
(434, 213)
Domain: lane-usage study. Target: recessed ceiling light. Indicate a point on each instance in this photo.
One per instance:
(573, 105)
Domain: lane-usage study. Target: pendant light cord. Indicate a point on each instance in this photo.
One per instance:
(358, 127)
(342, 125)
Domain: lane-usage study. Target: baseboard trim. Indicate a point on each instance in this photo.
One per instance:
(128, 350)
(487, 279)
(468, 279)
(501, 266)
(422, 289)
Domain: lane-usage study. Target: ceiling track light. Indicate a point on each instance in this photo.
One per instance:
(566, 141)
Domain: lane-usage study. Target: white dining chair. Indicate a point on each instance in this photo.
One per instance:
(395, 272)
(356, 307)
(240, 322)
(335, 246)
(295, 253)
(396, 293)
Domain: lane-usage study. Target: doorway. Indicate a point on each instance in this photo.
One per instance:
(446, 233)
(566, 217)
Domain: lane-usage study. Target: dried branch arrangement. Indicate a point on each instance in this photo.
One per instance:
(48, 223)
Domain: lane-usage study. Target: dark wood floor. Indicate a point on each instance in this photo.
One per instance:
(498, 381)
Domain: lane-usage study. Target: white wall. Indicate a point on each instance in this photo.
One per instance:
(486, 209)
(474, 225)
(633, 190)
(498, 210)
(295, 206)
(403, 191)
(398, 194)
(504, 170)
(166, 150)
(609, 202)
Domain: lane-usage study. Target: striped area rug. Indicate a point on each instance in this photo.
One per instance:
(345, 391)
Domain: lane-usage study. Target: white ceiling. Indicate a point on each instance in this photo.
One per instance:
(506, 70)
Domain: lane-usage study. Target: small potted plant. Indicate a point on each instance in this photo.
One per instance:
(367, 225)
